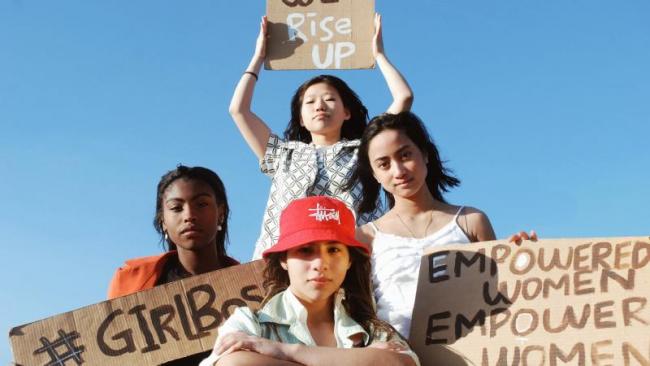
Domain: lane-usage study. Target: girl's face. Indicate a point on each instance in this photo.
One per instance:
(322, 111)
(317, 270)
(191, 214)
(397, 163)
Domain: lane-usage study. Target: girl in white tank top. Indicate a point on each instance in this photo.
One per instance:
(397, 154)
(398, 257)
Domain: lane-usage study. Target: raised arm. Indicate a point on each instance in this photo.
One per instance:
(399, 88)
(253, 129)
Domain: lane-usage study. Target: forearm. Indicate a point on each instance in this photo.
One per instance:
(243, 95)
(317, 356)
(399, 88)
(248, 358)
(253, 129)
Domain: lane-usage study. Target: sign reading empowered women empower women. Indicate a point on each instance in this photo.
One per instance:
(319, 34)
(151, 327)
(552, 302)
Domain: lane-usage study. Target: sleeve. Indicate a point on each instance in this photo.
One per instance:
(242, 320)
(114, 288)
(272, 156)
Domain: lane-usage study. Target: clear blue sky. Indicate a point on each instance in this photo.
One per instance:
(542, 109)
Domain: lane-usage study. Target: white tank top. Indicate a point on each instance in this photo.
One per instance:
(396, 267)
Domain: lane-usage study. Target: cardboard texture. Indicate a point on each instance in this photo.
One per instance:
(551, 302)
(319, 34)
(150, 327)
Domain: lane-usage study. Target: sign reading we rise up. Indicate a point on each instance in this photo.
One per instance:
(320, 34)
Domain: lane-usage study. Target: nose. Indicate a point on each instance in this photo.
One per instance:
(320, 262)
(189, 214)
(398, 170)
(319, 104)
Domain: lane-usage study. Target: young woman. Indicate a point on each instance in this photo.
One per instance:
(396, 153)
(192, 219)
(321, 140)
(318, 306)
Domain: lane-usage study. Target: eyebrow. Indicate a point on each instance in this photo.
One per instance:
(313, 95)
(402, 148)
(173, 199)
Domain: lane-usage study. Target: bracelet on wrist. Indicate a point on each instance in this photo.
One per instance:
(252, 73)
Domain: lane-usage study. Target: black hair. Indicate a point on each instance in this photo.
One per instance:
(439, 179)
(201, 174)
(351, 129)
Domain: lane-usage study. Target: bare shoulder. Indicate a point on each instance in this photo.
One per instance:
(365, 234)
(476, 224)
(473, 213)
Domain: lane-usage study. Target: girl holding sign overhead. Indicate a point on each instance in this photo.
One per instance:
(397, 154)
(321, 140)
(318, 305)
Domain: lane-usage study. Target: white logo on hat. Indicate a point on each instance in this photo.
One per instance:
(325, 214)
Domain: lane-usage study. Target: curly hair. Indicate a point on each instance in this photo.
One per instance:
(357, 285)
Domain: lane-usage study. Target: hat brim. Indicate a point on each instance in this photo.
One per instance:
(305, 237)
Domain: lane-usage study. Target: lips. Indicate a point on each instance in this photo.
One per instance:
(190, 230)
(404, 182)
(320, 280)
(321, 116)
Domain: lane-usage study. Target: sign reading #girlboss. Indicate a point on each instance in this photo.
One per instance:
(319, 34)
(552, 302)
(150, 327)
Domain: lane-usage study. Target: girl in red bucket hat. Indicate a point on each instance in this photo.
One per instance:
(318, 305)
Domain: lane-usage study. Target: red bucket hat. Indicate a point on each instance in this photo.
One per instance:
(315, 218)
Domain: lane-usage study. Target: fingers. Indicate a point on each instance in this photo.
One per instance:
(517, 238)
(263, 25)
(395, 346)
(230, 343)
(377, 24)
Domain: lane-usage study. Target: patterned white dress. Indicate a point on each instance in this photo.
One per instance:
(300, 170)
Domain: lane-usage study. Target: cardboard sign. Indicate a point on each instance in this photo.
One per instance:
(319, 34)
(150, 327)
(552, 302)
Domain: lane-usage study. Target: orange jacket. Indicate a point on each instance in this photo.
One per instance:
(142, 273)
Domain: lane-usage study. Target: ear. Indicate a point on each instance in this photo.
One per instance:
(283, 263)
(220, 211)
(347, 114)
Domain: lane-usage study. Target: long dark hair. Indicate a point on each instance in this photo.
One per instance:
(439, 179)
(351, 129)
(358, 294)
(206, 176)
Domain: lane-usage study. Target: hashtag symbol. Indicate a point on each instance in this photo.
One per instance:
(72, 352)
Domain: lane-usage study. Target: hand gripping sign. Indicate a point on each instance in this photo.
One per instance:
(320, 34)
(150, 327)
(551, 302)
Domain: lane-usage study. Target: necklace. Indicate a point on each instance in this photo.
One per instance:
(426, 229)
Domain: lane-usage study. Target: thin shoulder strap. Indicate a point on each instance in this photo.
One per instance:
(465, 227)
